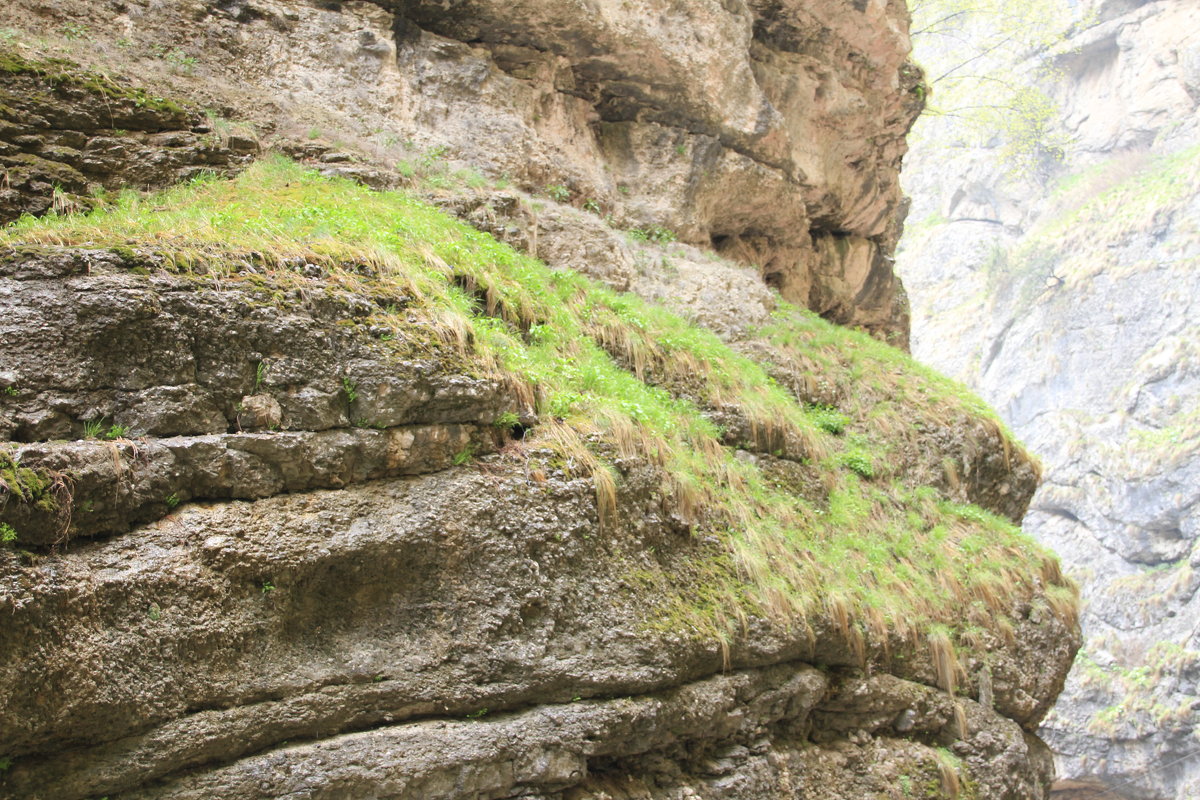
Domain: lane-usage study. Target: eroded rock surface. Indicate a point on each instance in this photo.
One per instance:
(433, 628)
(266, 547)
(1086, 291)
(772, 131)
(66, 136)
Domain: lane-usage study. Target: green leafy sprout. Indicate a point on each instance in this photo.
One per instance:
(98, 429)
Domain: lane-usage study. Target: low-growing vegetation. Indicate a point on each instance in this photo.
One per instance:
(613, 379)
(61, 72)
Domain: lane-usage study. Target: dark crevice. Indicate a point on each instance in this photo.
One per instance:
(1059, 511)
(996, 346)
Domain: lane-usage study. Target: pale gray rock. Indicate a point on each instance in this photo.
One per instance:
(1075, 316)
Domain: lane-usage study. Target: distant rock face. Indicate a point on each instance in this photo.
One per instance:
(1075, 313)
(772, 131)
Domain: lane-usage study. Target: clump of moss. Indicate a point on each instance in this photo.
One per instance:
(610, 375)
(25, 485)
(62, 72)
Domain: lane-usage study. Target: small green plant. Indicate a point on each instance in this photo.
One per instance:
(591, 205)
(558, 193)
(506, 420)
(472, 178)
(7, 533)
(172, 500)
(434, 155)
(405, 168)
(11, 391)
(680, 149)
(859, 463)
(5, 763)
(653, 233)
(478, 714)
(267, 587)
(906, 785)
(350, 389)
(180, 58)
(154, 612)
(463, 456)
(93, 428)
(314, 133)
(116, 432)
(74, 31)
(260, 375)
(829, 419)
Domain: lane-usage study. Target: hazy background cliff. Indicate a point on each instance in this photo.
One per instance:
(1053, 265)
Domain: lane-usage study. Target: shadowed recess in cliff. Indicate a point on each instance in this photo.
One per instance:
(612, 379)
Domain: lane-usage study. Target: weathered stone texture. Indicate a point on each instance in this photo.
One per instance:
(1073, 311)
(65, 137)
(772, 131)
(284, 578)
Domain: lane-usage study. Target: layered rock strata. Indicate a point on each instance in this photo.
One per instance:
(465, 631)
(68, 136)
(770, 131)
(263, 544)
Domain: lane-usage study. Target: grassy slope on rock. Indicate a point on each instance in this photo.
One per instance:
(871, 554)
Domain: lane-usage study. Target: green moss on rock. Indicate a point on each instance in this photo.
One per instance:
(60, 72)
(27, 486)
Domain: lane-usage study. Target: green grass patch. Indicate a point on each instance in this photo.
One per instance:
(610, 375)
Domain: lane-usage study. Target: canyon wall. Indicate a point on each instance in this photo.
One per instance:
(771, 132)
(1069, 301)
(307, 489)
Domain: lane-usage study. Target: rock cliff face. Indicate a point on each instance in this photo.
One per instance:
(1080, 300)
(770, 131)
(307, 490)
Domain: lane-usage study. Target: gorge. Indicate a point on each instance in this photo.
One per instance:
(470, 399)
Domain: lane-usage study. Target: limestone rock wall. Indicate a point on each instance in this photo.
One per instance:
(283, 579)
(1071, 306)
(275, 587)
(772, 131)
(67, 136)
